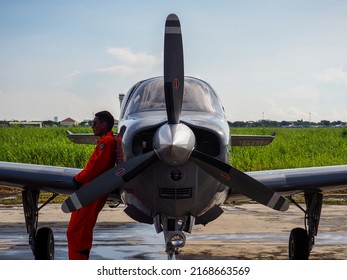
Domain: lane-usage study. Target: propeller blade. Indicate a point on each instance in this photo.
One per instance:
(107, 182)
(173, 69)
(239, 181)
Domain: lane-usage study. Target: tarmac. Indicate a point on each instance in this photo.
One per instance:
(244, 232)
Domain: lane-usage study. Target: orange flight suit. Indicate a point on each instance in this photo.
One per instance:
(80, 229)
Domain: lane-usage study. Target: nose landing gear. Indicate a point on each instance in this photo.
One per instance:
(173, 228)
(174, 240)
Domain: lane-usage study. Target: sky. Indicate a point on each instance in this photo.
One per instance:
(272, 59)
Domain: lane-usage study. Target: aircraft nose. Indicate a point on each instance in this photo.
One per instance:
(174, 143)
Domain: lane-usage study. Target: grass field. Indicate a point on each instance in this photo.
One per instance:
(292, 148)
(301, 147)
(48, 146)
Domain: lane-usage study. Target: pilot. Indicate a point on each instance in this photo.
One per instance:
(82, 222)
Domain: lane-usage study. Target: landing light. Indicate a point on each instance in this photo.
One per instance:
(177, 240)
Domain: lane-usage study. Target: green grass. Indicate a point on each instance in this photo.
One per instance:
(48, 146)
(302, 147)
(292, 148)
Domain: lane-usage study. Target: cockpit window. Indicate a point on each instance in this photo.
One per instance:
(198, 96)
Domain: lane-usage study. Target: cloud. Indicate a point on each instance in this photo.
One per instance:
(291, 103)
(119, 69)
(129, 62)
(302, 92)
(279, 111)
(129, 57)
(74, 73)
(334, 75)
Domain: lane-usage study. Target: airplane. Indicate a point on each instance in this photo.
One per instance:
(173, 167)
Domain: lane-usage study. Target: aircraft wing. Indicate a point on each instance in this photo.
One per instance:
(39, 177)
(251, 140)
(302, 180)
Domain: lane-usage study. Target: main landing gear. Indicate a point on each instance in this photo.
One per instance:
(301, 240)
(41, 240)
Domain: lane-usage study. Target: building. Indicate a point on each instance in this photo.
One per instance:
(68, 122)
(26, 123)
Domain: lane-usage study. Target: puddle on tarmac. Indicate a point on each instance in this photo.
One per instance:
(138, 241)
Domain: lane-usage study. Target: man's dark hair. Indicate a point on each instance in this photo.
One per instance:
(106, 116)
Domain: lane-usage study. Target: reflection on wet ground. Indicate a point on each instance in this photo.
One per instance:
(139, 241)
(246, 232)
(130, 241)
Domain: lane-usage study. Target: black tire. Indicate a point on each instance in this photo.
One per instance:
(298, 245)
(44, 244)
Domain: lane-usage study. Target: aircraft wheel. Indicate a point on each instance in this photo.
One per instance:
(298, 244)
(44, 244)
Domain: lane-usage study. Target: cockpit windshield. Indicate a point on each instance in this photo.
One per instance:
(149, 96)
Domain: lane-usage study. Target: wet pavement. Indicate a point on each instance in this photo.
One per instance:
(130, 241)
(135, 241)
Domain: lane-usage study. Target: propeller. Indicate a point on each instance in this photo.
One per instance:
(173, 69)
(174, 143)
(239, 181)
(109, 181)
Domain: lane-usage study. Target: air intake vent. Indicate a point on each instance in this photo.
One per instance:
(172, 193)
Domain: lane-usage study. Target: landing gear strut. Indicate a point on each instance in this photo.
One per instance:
(41, 241)
(173, 228)
(301, 240)
(174, 240)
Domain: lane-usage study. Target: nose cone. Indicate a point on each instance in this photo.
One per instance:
(174, 143)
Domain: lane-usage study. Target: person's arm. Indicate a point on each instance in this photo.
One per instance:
(101, 160)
